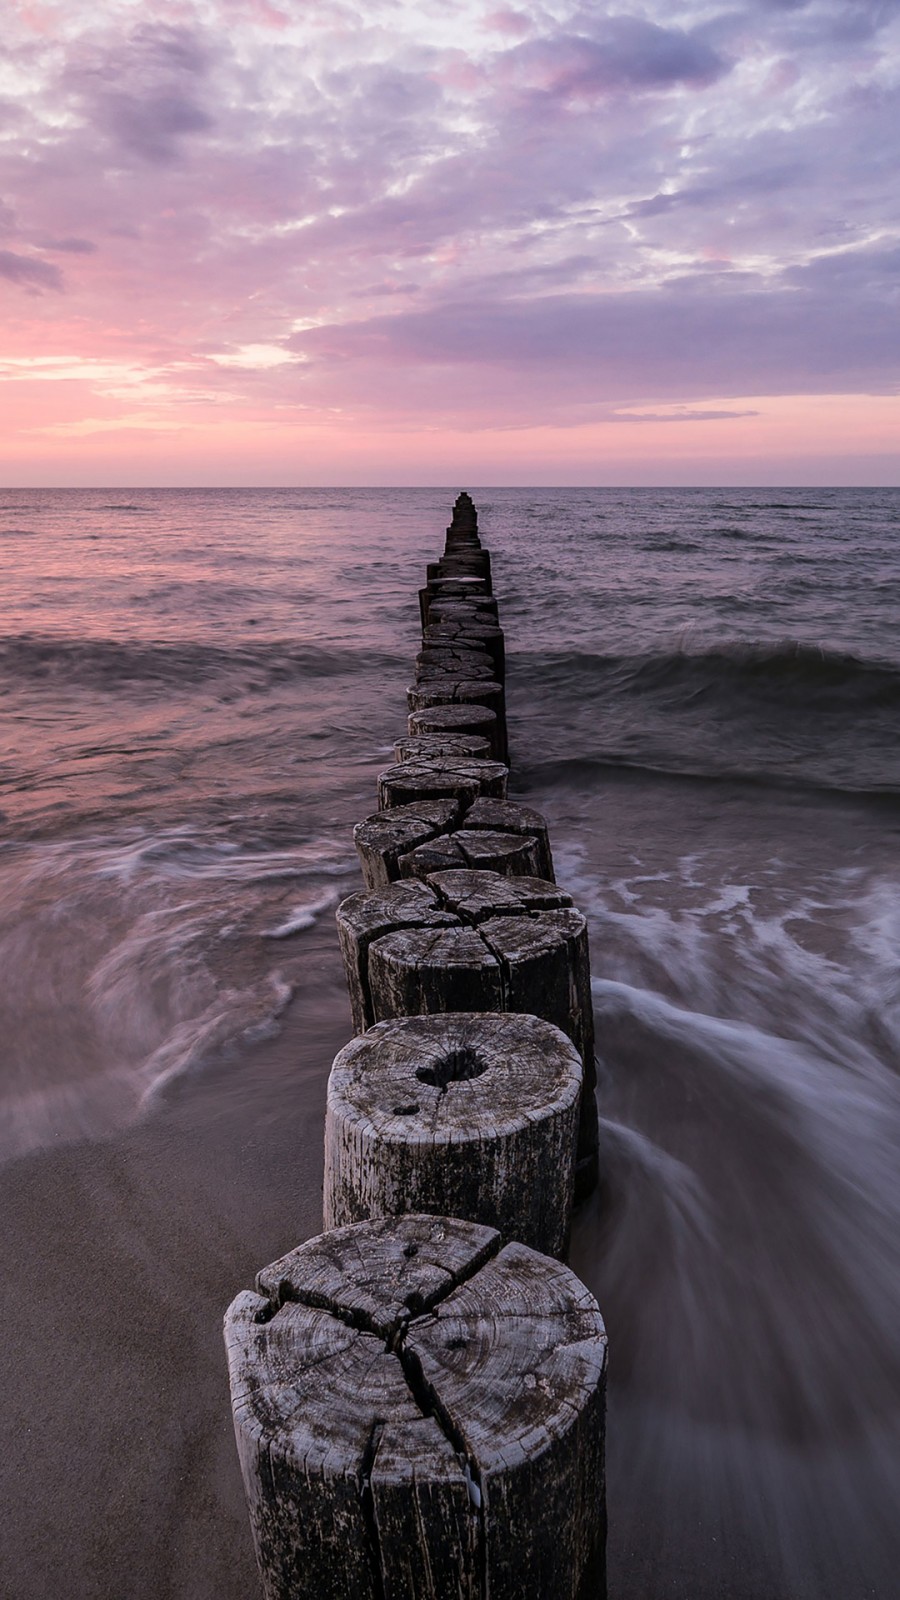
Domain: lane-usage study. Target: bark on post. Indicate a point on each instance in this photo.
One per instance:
(547, 969)
(419, 970)
(464, 1115)
(419, 1415)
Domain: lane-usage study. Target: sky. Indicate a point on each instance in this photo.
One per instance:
(273, 242)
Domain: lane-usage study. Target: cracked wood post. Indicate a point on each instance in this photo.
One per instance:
(433, 746)
(434, 833)
(384, 838)
(469, 563)
(448, 688)
(472, 592)
(432, 778)
(477, 666)
(408, 955)
(457, 719)
(473, 636)
(514, 855)
(454, 689)
(510, 816)
(467, 1115)
(460, 659)
(420, 1415)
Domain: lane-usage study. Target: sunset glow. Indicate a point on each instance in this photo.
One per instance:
(246, 242)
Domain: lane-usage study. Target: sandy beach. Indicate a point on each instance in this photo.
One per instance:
(119, 1472)
(179, 803)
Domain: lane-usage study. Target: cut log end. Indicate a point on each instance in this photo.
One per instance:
(464, 1115)
(420, 1413)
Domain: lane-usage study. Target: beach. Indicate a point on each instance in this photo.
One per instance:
(703, 689)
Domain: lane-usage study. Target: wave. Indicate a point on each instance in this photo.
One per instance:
(578, 770)
(789, 672)
(110, 664)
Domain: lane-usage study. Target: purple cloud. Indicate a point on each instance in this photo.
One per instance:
(618, 53)
(143, 92)
(533, 210)
(74, 247)
(30, 271)
(681, 340)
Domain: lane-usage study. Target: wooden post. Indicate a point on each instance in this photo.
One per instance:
(463, 1115)
(474, 636)
(476, 895)
(382, 839)
(420, 1415)
(455, 690)
(362, 918)
(508, 816)
(415, 838)
(437, 745)
(511, 854)
(405, 957)
(466, 663)
(450, 690)
(432, 777)
(473, 593)
(458, 719)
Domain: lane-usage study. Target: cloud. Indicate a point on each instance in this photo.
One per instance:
(679, 340)
(620, 53)
(145, 91)
(30, 271)
(681, 414)
(75, 247)
(468, 213)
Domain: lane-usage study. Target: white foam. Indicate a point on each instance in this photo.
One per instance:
(302, 917)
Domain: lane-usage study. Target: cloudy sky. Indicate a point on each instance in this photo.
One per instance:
(321, 241)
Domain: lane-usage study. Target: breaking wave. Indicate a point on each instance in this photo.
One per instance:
(110, 664)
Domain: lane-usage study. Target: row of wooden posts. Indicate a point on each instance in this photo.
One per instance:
(419, 1392)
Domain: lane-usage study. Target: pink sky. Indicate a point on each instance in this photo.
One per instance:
(247, 242)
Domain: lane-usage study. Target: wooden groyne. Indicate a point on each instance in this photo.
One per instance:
(419, 1393)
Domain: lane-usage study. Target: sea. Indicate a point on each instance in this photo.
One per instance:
(199, 688)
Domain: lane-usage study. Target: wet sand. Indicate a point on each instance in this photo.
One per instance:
(755, 1381)
(118, 1472)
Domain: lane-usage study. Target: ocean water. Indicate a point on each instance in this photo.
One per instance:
(199, 688)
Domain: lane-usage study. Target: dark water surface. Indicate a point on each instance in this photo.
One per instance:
(704, 690)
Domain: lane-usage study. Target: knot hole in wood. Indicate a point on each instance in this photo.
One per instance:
(457, 1066)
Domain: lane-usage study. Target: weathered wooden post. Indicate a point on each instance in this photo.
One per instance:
(419, 1409)
(409, 955)
(450, 689)
(384, 839)
(420, 1415)
(434, 777)
(459, 719)
(420, 837)
(437, 745)
(463, 1115)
